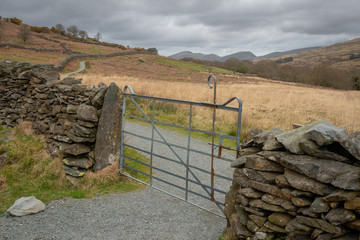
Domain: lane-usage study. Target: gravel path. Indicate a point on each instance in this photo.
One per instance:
(144, 214)
(81, 68)
(198, 160)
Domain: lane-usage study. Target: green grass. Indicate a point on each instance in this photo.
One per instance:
(28, 171)
(191, 66)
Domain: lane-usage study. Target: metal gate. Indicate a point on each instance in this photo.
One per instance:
(176, 168)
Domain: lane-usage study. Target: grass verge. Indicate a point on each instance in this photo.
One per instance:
(29, 171)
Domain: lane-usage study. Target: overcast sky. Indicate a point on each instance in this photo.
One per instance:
(212, 26)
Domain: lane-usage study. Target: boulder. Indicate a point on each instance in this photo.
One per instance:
(25, 206)
(108, 137)
(352, 144)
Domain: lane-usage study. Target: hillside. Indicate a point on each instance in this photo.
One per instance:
(336, 55)
(294, 51)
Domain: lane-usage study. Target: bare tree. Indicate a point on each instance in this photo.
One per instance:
(73, 30)
(98, 36)
(24, 33)
(60, 27)
(83, 34)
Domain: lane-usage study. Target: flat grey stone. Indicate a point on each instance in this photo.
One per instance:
(340, 216)
(325, 133)
(319, 206)
(76, 149)
(260, 163)
(291, 139)
(81, 162)
(352, 144)
(304, 183)
(266, 140)
(87, 113)
(25, 206)
(320, 224)
(338, 174)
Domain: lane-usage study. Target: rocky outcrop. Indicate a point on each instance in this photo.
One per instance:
(66, 112)
(287, 194)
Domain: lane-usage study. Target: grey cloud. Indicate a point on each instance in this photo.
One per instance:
(209, 26)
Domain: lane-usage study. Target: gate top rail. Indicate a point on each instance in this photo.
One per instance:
(202, 104)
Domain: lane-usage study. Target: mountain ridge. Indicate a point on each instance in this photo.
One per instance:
(242, 55)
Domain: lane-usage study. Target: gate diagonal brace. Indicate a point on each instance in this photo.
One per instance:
(175, 153)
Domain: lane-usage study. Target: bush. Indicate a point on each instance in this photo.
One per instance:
(15, 20)
(40, 29)
(354, 56)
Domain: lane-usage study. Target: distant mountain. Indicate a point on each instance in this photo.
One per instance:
(240, 56)
(201, 56)
(213, 57)
(246, 55)
(294, 51)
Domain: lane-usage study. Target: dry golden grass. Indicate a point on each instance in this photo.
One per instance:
(266, 104)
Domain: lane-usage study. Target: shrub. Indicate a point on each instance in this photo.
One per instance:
(40, 29)
(15, 20)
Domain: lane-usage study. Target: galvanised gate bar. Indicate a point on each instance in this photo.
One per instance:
(201, 174)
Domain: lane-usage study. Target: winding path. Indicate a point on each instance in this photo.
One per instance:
(82, 68)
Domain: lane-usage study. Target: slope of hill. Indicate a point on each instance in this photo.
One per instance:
(294, 51)
(336, 55)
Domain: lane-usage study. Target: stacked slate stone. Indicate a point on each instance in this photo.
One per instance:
(299, 184)
(66, 112)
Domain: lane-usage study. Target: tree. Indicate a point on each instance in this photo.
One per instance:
(24, 33)
(83, 34)
(60, 27)
(73, 30)
(97, 36)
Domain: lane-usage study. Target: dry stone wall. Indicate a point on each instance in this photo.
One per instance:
(298, 184)
(66, 112)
